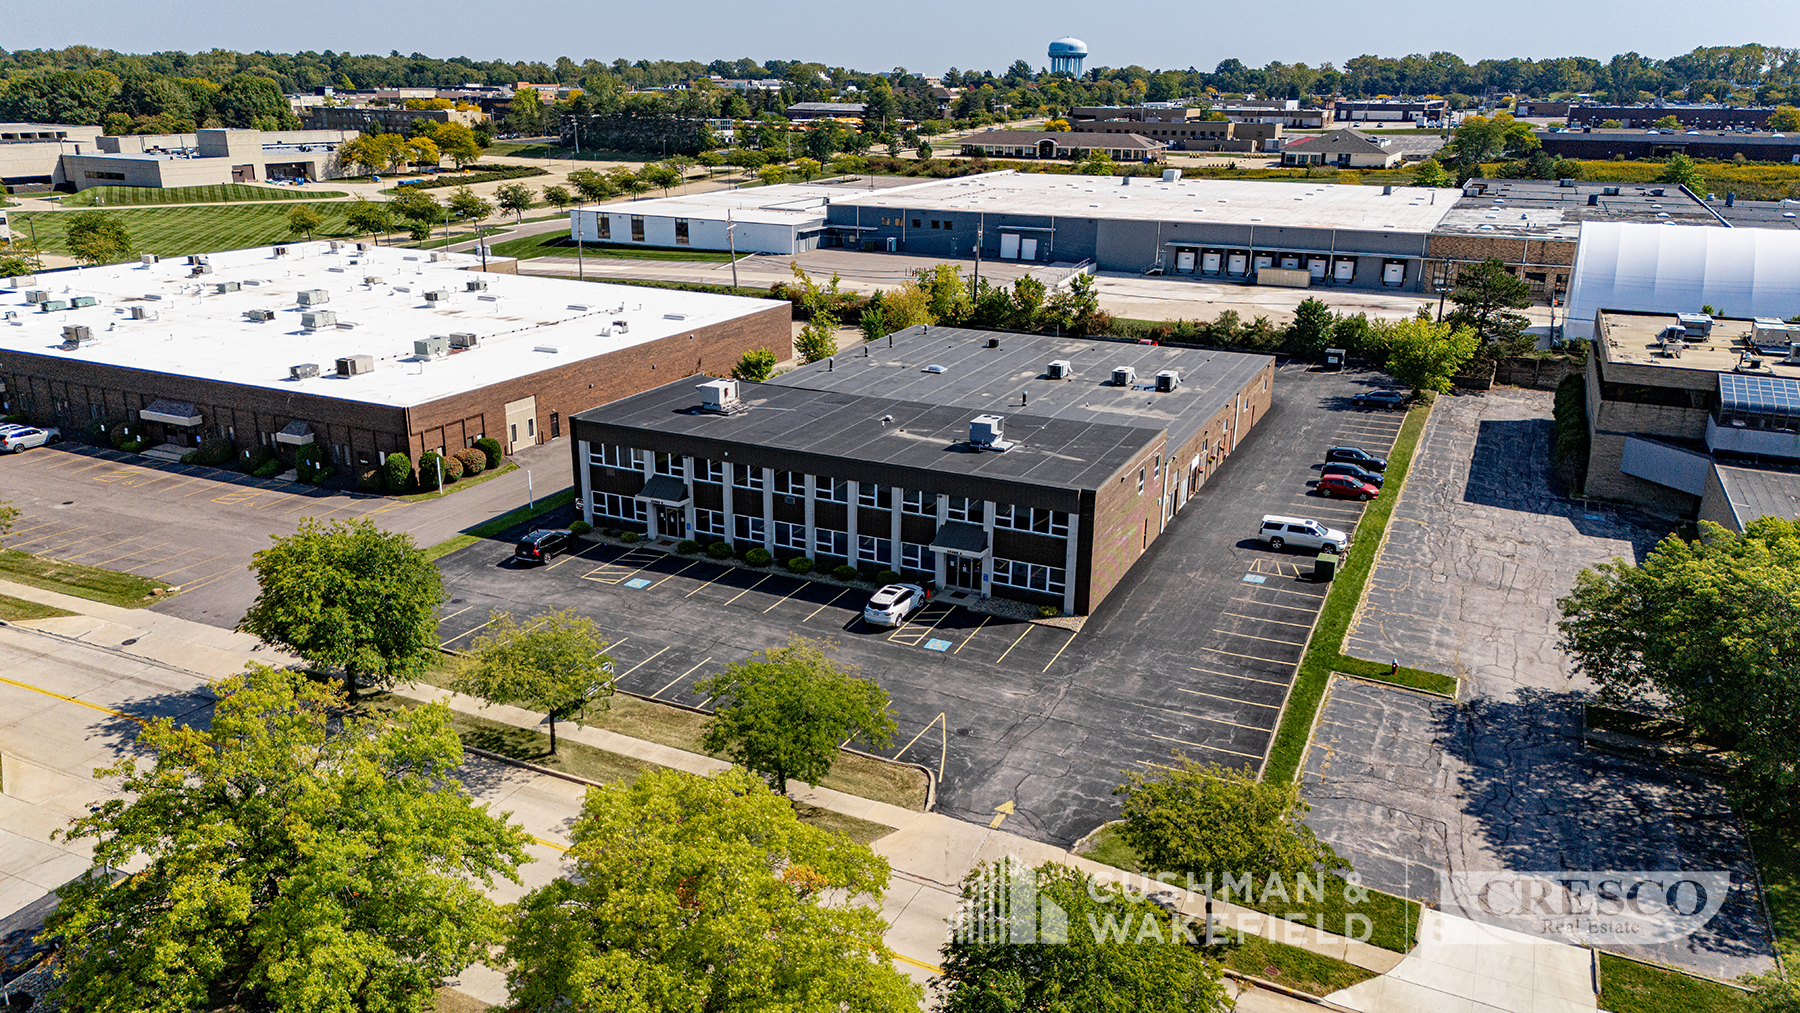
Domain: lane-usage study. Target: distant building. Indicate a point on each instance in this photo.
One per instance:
(1067, 55)
(1425, 111)
(391, 119)
(784, 219)
(1537, 109)
(31, 153)
(1132, 146)
(1288, 113)
(1657, 144)
(1345, 149)
(825, 110)
(206, 158)
(1691, 117)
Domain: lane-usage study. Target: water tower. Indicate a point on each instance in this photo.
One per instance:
(1066, 55)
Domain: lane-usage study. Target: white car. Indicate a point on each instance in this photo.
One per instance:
(893, 603)
(18, 440)
(1301, 533)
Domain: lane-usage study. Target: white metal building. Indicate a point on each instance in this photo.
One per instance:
(1646, 268)
(783, 219)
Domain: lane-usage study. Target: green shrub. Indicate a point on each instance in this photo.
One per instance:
(844, 571)
(758, 556)
(580, 528)
(800, 564)
(887, 577)
(1049, 611)
(687, 547)
(719, 550)
(368, 478)
(453, 469)
(473, 461)
(269, 468)
(490, 447)
(428, 471)
(254, 458)
(126, 434)
(310, 466)
(191, 457)
(628, 537)
(215, 452)
(397, 471)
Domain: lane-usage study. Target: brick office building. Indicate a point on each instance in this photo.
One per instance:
(871, 459)
(366, 352)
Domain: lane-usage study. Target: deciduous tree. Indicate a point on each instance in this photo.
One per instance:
(1681, 170)
(304, 220)
(558, 197)
(1431, 173)
(1311, 330)
(290, 858)
(95, 237)
(1485, 295)
(1424, 354)
(369, 216)
(514, 199)
(756, 365)
(1207, 819)
(555, 663)
(19, 256)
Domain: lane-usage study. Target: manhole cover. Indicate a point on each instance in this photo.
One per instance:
(128, 643)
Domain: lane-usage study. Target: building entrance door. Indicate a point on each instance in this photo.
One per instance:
(671, 522)
(963, 572)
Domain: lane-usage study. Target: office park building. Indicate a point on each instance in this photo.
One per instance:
(1019, 466)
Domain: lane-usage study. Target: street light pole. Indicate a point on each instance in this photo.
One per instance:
(580, 272)
(731, 240)
(980, 227)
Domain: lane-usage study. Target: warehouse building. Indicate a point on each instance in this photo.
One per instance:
(1660, 144)
(1428, 111)
(209, 157)
(1697, 116)
(1317, 234)
(1742, 272)
(368, 351)
(783, 219)
(1027, 467)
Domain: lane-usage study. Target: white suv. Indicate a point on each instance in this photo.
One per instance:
(17, 440)
(893, 603)
(1301, 533)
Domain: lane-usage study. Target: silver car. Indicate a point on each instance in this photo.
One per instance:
(893, 603)
(1301, 533)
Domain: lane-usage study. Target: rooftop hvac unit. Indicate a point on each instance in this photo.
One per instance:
(437, 296)
(1565, 182)
(281, 251)
(74, 336)
(313, 297)
(434, 347)
(1124, 376)
(987, 432)
(1171, 175)
(262, 316)
(1793, 356)
(201, 268)
(336, 246)
(37, 296)
(1059, 369)
(463, 339)
(373, 279)
(81, 301)
(148, 258)
(719, 397)
(226, 286)
(362, 247)
(304, 371)
(1168, 380)
(437, 256)
(1609, 191)
(139, 313)
(318, 320)
(1658, 192)
(476, 285)
(354, 365)
(52, 306)
(1774, 332)
(1696, 324)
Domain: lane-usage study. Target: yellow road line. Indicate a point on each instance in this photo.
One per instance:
(1266, 640)
(40, 538)
(1203, 717)
(677, 573)
(535, 839)
(1229, 699)
(1260, 619)
(828, 604)
(453, 615)
(1285, 590)
(133, 552)
(747, 590)
(178, 569)
(1273, 605)
(679, 678)
(1202, 745)
(1059, 652)
(1234, 675)
(797, 589)
(1252, 657)
(70, 699)
(708, 584)
(933, 968)
(971, 636)
(1015, 643)
(203, 581)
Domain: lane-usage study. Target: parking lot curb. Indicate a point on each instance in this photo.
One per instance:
(1291, 993)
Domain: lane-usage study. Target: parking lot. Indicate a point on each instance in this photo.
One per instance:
(1193, 652)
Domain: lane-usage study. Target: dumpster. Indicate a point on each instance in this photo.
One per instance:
(1334, 358)
(1325, 567)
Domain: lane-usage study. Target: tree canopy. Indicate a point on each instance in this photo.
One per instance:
(1424, 354)
(293, 858)
(555, 663)
(1210, 820)
(95, 237)
(694, 894)
(1485, 294)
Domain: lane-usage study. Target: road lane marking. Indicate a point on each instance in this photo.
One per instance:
(1234, 675)
(1252, 657)
(1059, 651)
(828, 604)
(1203, 717)
(1202, 745)
(1266, 640)
(639, 665)
(1229, 699)
(680, 677)
(70, 699)
(984, 621)
(1015, 643)
(747, 590)
(677, 573)
(1274, 605)
(1260, 619)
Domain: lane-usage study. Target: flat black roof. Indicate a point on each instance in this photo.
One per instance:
(977, 378)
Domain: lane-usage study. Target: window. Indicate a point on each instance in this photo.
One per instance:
(709, 522)
(918, 503)
(1033, 519)
(790, 536)
(831, 543)
(611, 455)
(637, 228)
(790, 483)
(871, 549)
(749, 529)
(670, 464)
(830, 490)
(623, 508)
(1140, 481)
(681, 232)
(1158, 473)
(1029, 576)
(746, 477)
(605, 221)
(871, 495)
(962, 508)
(934, 223)
(706, 470)
(915, 223)
(948, 226)
(105, 175)
(918, 557)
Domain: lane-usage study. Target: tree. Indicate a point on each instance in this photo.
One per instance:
(416, 205)
(591, 185)
(772, 174)
(291, 857)
(693, 894)
(807, 168)
(1424, 354)
(783, 712)
(818, 337)
(1708, 631)
(1785, 119)
(1207, 819)
(756, 365)
(923, 150)
(557, 663)
(1610, 124)
(1096, 163)
(19, 256)
(1681, 170)
(465, 204)
(1431, 173)
(369, 216)
(710, 161)
(1076, 307)
(1138, 967)
(1669, 122)
(458, 143)
(1484, 296)
(558, 197)
(1775, 992)
(525, 114)
(95, 237)
(349, 596)
(304, 219)
(515, 199)
(1311, 330)
(423, 151)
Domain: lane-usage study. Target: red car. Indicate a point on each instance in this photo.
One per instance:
(1346, 486)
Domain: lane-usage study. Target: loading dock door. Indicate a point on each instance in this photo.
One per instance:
(1184, 261)
(1009, 246)
(1317, 267)
(1264, 260)
(1027, 249)
(1238, 264)
(1209, 263)
(1290, 262)
(1393, 273)
(1344, 270)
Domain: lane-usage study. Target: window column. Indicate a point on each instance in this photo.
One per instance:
(939, 564)
(850, 511)
(730, 481)
(987, 565)
(894, 532)
(687, 471)
(768, 509)
(649, 514)
(812, 492)
(587, 481)
(1070, 554)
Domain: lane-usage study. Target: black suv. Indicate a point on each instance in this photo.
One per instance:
(540, 545)
(1356, 471)
(1357, 456)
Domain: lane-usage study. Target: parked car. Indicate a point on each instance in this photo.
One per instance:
(1382, 399)
(17, 440)
(1356, 471)
(1358, 456)
(893, 603)
(538, 546)
(1302, 533)
(1346, 487)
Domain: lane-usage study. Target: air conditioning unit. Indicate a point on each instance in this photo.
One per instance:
(336, 246)
(1695, 324)
(988, 432)
(318, 320)
(434, 347)
(373, 279)
(36, 296)
(314, 297)
(1609, 191)
(53, 306)
(437, 296)
(139, 313)
(304, 371)
(719, 397)
(1124, 376)
(75, 335)
(226, 286)
(1059, 369)
(437, 257)
(82, 301)
(1168, 380)
(148, 258)
(463, 339)
(263, 316)
(1793, 356)
(281, 251)
(354, 365)
(476, 285)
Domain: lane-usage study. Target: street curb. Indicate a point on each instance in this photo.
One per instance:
(1291, 993)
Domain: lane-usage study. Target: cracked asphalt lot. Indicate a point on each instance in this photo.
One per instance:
(1410, 786)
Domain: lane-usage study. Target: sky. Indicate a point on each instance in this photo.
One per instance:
(925, 36)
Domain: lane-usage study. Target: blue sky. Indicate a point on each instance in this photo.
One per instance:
(928, 36)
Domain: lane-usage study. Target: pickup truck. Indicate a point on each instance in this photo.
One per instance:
(17, 440)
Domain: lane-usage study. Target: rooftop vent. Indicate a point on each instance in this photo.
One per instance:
(1168, 380)
(463, 339)
(281, 251)
(318, 320)
(934, 368)
(719, 397)
(674, 316)
(373, 279)
(148, 258)
(1171, 175)
(1609, 191)
(437, 296)
(355, 365)
(140, 313)
(1124, 376)
(304, 371)
(1793, 356)
(1059, 369)
(76, 335)
(987, 432)
(313, 297)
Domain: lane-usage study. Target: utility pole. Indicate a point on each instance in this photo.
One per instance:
(731, 240)
(580, 273)
(980, 224)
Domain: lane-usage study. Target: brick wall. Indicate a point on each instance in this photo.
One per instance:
(1606, 481)
(1538, 374)
(1123, 524)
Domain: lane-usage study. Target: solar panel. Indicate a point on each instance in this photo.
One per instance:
(1759, 395)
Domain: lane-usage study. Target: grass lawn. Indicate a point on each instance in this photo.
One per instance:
(462, 483)
(220, 193)
(1627, 986)
(1778, 859)
(111, 587)
(1292, 966)
(893, 783)
(17, 609)
(1324, 653)
(1394, 920)
(488, 529)
(556, 244)
(178, 231)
